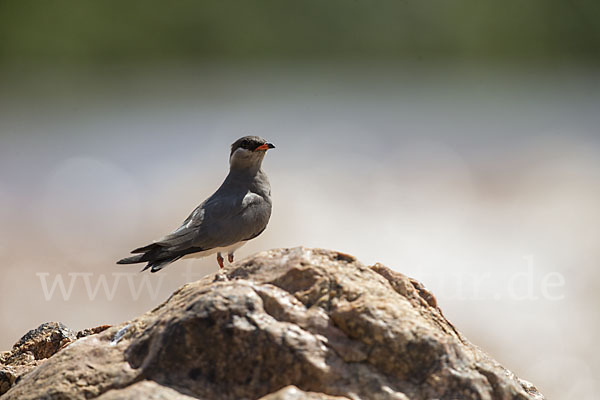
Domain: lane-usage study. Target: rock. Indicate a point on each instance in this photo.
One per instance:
(293, 393)
(92, 331)
(36, 345)
(284, 324)
(42, 342)
(146, 390)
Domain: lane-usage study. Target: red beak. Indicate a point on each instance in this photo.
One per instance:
(265, 147)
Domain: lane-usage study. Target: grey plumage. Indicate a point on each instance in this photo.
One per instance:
(237, 212)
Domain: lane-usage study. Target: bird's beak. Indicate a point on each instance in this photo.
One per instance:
(265, 147)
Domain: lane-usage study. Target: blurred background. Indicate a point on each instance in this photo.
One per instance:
(456, 142)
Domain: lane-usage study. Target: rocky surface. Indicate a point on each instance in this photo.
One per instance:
(36, 345)
(284, 324)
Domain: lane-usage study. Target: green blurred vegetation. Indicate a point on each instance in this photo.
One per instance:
(88, 32)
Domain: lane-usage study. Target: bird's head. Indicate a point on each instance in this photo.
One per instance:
(248, 152)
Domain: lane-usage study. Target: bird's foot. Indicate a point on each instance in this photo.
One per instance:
(220, 260)
(230, 257)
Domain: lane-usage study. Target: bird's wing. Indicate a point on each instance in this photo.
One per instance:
(220, 221)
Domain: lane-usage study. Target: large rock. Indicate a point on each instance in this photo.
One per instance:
(283, 324)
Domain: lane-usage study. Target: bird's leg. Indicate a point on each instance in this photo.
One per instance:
(220, 260)
(230, 257)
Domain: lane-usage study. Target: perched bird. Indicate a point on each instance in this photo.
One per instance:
(237, 212)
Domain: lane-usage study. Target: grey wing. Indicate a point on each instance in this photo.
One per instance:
(220, 222)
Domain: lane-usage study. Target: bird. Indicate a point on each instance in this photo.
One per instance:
(237, 212)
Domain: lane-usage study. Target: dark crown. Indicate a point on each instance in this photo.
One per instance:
(248, 143)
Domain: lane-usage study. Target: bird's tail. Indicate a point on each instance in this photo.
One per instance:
(154, 255)
(138, 258)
